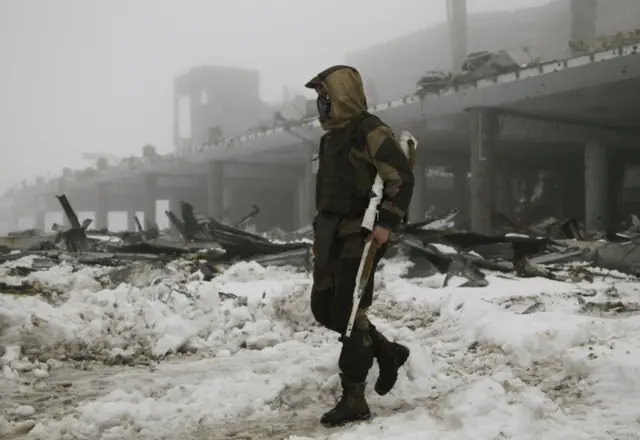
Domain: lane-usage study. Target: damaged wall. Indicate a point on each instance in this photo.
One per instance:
(214, 97)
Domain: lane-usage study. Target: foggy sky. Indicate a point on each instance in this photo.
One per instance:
(96, 76)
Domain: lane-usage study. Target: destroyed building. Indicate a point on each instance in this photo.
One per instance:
(214, 102)
(526, 173)
(559, 139)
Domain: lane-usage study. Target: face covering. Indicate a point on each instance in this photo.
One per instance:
(324, 105)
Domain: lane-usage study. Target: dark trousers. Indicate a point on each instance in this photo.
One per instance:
(332, 297)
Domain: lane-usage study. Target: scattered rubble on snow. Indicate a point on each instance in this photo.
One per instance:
(148, 334)
(434, 245)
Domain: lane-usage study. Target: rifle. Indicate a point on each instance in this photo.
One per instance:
(408, 143)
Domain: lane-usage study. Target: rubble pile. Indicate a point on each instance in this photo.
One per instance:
(434, 245)
(137, 297)
(191, 237)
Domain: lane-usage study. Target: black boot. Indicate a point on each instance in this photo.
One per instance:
(390, 356)
(352, 406)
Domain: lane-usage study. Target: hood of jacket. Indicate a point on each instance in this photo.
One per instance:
(345, 88)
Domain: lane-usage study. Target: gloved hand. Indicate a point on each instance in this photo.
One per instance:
(380, 235)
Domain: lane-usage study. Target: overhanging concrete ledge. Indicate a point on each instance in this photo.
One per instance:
(245, 171)
(547, 79)
(519, 128)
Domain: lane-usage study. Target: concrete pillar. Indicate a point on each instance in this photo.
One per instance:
(40, 223)
(305, 204)
(132, 208)
(573, 184)
(418, 206)
(484, 125)
(457, 18)
(177, 141)
(461, 195)
(41, 212)
(530, 180)
(504, 191)
(102, 207)
(149, 200)
(616, 173)
(215, 189)
(227, 199)
(131, 221)
(595, 186)
(583, 23)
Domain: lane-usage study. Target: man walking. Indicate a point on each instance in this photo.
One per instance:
(355, 148)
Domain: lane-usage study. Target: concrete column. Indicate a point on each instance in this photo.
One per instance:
(504, 192)
(573, 184)
(149, 201)
(215, 189)
(457, 17)
(418, 206)
(583, 23)
(616, 173)
(301, 203)
(530, 180)
(41, 221)
(131, 221)
(41, 212)
(305, 205)
(102, 207)
(177, 141)
(484, 125)
(595, 187)
(461, 195)
(227, 199)
(132, 204)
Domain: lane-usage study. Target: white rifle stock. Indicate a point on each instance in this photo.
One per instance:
(408, 144)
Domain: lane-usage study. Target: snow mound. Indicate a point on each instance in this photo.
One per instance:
(154, 315)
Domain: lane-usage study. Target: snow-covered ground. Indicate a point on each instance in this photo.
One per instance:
(101, 355)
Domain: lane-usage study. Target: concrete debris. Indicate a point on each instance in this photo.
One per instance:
(478, 65)
(200, 238)
(551, 248)
(539, 253)
(236, 243)
(485, 64)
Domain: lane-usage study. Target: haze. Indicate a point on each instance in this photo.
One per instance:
(96, 76)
